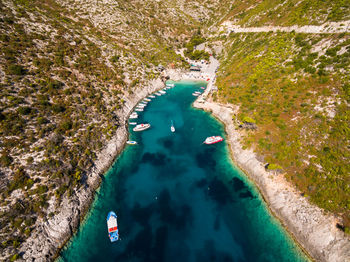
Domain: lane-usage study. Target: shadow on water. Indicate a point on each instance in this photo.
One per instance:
(168, 144)
(149, 246)
(156, 159)
(206, 159)
(218, 191)
(238, 186)
(201, 183)
(210, 253)
(179, 200)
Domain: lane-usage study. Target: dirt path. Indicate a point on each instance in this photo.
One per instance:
(327, 28)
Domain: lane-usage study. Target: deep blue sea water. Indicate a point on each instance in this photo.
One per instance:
(178, 199)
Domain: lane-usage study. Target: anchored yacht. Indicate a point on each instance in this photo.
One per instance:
(213, 139)
(141, 127)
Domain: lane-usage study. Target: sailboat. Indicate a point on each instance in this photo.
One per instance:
(172, 128)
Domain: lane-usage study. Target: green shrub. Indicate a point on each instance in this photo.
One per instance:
(115, 58)
(41, 189)
(24, 110)
(42, 120)
(273, 167)
(54, 84)
(248, 119)
(58, 108)
(6, 160)
(14, 257)
(66, 125)
(16, 70)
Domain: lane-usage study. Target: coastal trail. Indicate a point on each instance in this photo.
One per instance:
(326, 28)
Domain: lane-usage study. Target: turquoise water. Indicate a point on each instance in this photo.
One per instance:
(178, 199)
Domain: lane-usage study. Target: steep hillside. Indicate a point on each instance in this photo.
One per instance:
(66, 69)
(293, 93)
(284, 13)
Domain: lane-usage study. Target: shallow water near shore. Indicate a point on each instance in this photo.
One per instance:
(178, 199)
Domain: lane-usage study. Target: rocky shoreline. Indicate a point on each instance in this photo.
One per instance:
(314, 230)
(52, 234)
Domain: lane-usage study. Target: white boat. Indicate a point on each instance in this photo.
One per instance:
(131, 142)
(170, 85)
(141, 127)
(139, 109)
(195, 94)
(133, 123)
(141, 106)
(134, 115)
(147, 99)
(112, 224)
(151, 96)
(213, 139)
(172, 128)
(162, 92)
(158, 94)
(202, 87)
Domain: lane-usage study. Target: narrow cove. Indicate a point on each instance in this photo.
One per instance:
(178, 199)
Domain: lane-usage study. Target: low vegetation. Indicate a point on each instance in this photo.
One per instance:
(295, 87)
(66, 68)
(193, 53)
(286, 13)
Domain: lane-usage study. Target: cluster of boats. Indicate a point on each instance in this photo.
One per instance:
(140, 107)
(198, 93)
(112, 224)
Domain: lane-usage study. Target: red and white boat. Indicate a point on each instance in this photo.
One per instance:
(141, 127)
(213, 139)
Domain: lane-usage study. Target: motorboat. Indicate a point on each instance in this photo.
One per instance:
(158, 94)
(195, 94)
(212, 140)
(131, 142)
(151, 96)
(141, 127)
(133, 123)
(112, 225)
(134, 115)
(162, 92)
(147, 100)
(172, 128)
(139, 109)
